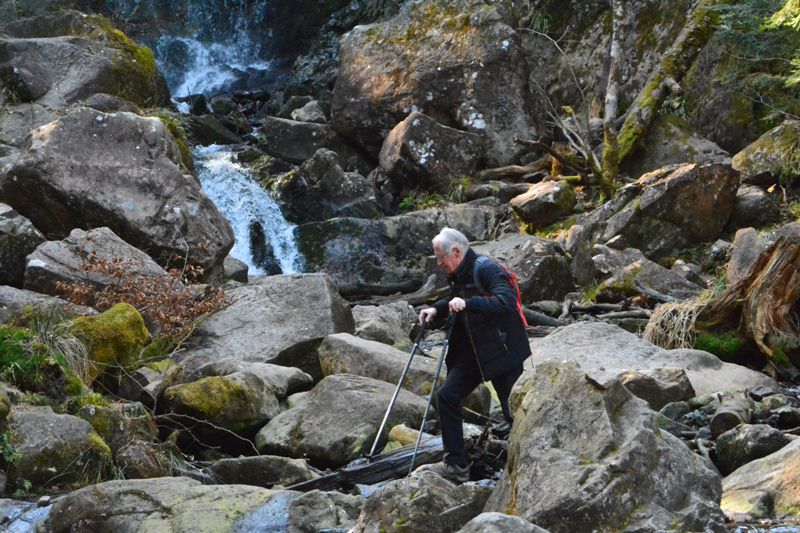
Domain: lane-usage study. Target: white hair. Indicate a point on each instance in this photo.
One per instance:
(448, 238)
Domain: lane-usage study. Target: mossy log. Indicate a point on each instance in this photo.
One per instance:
(764, 307)
(676, 63)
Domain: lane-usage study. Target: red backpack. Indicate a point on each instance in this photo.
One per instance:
(510, 276)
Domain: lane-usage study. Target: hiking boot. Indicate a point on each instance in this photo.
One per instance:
(452, 473)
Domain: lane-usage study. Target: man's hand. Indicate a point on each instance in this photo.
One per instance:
(456, 305)
(426, 315)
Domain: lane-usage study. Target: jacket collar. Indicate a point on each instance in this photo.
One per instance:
(463, 273)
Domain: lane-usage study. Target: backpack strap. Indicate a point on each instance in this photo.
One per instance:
(510, 276)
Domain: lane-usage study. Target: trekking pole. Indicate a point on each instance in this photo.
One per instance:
(414, 349)
(450, 324)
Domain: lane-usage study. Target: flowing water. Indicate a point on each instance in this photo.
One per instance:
(257, 221)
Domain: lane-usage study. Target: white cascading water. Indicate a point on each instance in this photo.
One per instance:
(245, 203)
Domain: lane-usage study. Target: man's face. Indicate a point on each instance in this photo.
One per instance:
(447, 261)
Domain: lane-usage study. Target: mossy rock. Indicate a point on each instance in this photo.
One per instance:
(113, 339)
(728, 346)
(777, 152)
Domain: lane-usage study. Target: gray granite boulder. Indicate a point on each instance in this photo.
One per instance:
(746, 443)
(499, 523)
(16, 303)
(261, 471)
(323, 511)
(390, 323)
(90, 169)
(277, 319)
(598, 462)
(338, 420)
(544, 203)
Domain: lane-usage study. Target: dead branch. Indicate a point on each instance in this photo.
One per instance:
(536, 145)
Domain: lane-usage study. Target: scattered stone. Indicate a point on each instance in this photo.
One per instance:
(390, 323)
(755, 207)
(143, 460)
(235, 269)
(261, 471)
(544, 203)
(311, 112)
(499, 523)
(19, 303)
(18, 238)
(295, 141)
(746, 443)
(120, 424)
(323, 511)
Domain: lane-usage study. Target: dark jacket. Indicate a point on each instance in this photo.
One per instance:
(490, 329)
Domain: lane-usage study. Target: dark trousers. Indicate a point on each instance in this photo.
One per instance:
(461, 380)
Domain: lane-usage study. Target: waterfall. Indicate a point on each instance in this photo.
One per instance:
(206, 46)
(258, 224)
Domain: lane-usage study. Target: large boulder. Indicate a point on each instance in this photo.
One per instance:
(678, 206)
(445, 59)
(258, 314)
(90, 169)
(766, 487)
(755, 207)
(598, 461)
(421, 502)
(60, 58)
(773, 155)
(18, 238)
(338, 420)
(281, 380)
(667, 209)
(121, 423)
(55, 449)
(179, 505)
(388, 254)
(541, 265)
(595, 345)
(421, 153)
(745, 443)
(320, 189)
(81, 259)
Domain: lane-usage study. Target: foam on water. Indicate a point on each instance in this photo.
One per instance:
(243, 202)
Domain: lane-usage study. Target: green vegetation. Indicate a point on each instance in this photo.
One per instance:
(181, 140)
(8, 451)
(418, 200)
(135, 69)
(728, 346)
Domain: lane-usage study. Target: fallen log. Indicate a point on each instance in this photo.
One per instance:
(391, 465)
(514, 172)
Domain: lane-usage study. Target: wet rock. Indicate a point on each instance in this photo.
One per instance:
(17, 303)
(499, 523)
(420, 152)
(68, 163)
(597, 449)
(350, 408)
(18, 238)
(55, 449)
(544, 203)
(766, 487)
(179, 505)
(257, 314)
(745, 443)
(323, 511)
(422, 501)
(390, 323)
(261, 471)
(78, 259)
(207, 129)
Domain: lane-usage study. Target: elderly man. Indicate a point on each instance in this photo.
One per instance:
(488, 343)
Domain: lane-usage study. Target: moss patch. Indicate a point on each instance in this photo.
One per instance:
(113, 339)
(180, 138)
(728, 346)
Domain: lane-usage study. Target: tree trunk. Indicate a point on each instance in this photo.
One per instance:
(765, 307)
(676, 63)
(610, 147)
